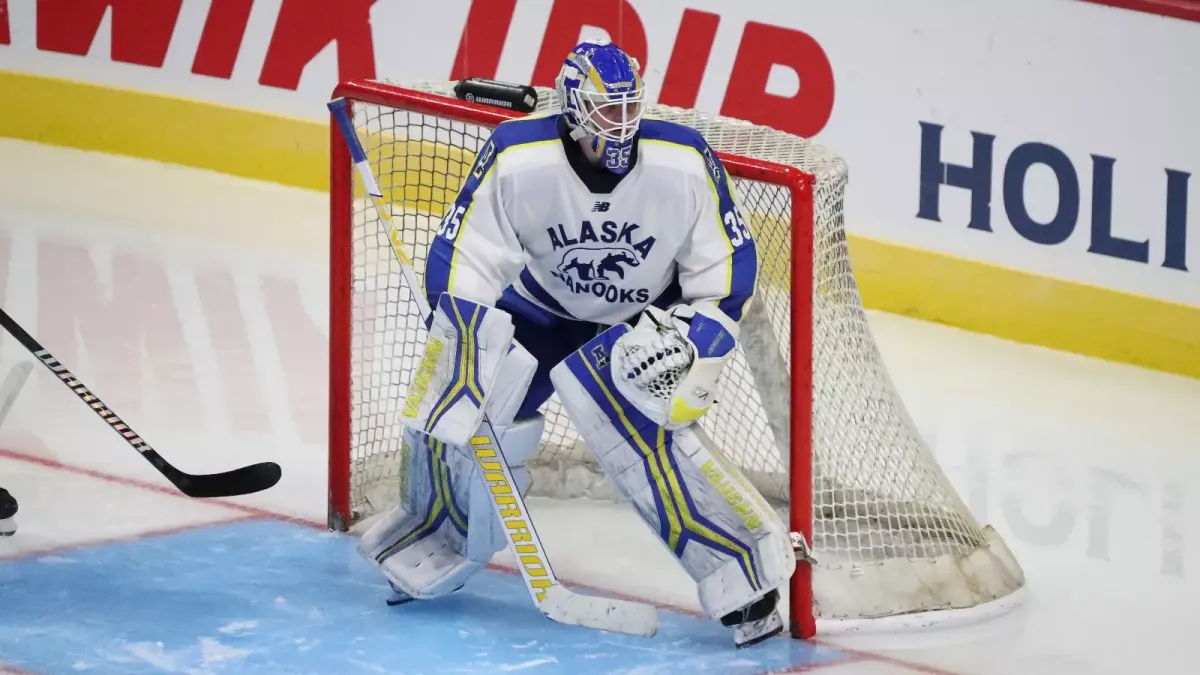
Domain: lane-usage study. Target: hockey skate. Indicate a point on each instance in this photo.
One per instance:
(399, 597)
(756, 622)
(8, 509)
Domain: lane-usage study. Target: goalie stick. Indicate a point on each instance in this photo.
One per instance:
(245, 480)
(553, 600)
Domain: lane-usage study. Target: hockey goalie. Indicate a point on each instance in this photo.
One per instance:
(602, 256)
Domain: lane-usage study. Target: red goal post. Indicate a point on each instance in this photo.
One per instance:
(420, 150)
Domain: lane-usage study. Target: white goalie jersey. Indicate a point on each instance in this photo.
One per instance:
(534, 219)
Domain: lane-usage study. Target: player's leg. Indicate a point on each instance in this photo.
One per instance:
(8, 509)
(445, 528)
(725, 535)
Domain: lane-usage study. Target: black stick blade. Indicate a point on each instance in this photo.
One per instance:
(243, 481)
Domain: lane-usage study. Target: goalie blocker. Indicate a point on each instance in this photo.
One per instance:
(722, 531)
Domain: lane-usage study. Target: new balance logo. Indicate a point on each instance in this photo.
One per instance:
(602, 207)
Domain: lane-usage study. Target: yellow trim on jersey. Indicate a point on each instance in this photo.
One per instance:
(462, 225)
(667, 483)
(746, 226)
(716, 200)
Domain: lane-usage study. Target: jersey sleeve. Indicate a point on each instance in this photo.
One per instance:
(719, 261)
(476, 253)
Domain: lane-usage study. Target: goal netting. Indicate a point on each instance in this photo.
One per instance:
(889, 533)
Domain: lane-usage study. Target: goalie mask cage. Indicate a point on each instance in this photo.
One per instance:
(806, 409)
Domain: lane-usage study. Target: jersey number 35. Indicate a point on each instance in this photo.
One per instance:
(738, 232)
(451, 222)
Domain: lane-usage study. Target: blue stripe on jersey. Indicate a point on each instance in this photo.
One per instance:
(542, 295)
(507, 135)
(519, 306)
(744, 257)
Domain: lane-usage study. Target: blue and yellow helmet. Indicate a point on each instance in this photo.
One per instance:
(602, 97)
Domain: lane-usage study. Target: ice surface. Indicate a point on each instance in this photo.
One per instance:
(194, 304)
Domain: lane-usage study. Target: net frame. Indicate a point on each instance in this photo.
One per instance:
(797, 182)
(802, 386)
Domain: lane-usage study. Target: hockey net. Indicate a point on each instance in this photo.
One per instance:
(806, 409)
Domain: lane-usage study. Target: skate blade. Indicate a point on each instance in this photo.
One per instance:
(753, 632)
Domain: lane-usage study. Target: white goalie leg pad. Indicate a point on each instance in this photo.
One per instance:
(419, 546)
(669, 364)
(467, 345)
(430, 545)
(518, 442)
(725, 535)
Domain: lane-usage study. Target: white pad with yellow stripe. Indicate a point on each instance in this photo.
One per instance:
(445, 528)
(728, 539)
(466, 346)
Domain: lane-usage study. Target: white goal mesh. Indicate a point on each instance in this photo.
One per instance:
(890, 534)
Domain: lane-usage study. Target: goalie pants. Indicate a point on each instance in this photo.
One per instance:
(551, 338)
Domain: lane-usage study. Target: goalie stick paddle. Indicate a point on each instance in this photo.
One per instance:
(553, 600)
(246, 480)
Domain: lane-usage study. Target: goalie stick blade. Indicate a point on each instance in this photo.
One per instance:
(590, 611)
(243, 481)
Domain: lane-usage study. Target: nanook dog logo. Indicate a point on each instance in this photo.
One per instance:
(598, 261)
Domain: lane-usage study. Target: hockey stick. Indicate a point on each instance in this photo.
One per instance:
(241, 481)
(12, 386)
(552, 599)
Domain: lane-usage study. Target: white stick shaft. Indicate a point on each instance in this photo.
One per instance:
(395, 238)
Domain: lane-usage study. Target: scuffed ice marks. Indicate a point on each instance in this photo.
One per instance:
(545, 664)
(525, 665)
(208, 656)
(237, 627)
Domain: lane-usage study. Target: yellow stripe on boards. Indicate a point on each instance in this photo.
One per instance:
(164, 128)
(1015, 305)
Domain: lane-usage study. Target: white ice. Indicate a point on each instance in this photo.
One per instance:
(1088, 469)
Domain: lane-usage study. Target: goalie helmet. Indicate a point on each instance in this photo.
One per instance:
(601, 93)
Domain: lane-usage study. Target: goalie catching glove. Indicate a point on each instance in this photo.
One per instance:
(668, 365)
